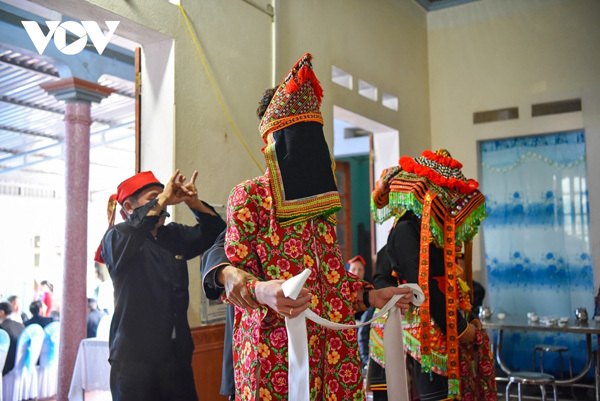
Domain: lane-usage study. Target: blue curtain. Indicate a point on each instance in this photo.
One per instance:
(536, 236)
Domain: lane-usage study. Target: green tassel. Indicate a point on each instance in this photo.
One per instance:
(407, 201)
(453, 387)
(426, 363)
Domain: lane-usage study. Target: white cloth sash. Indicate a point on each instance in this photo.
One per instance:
(298, 368)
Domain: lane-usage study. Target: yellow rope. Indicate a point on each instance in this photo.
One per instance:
(214, 86)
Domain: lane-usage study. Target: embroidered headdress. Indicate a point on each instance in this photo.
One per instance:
(301, 169)
(451, 209)
(297, 99)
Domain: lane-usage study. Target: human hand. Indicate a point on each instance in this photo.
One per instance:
(175, 191)
(270, 293)
(476, 323)
(378, 298)
(469, 335)
(190, 188)
(191, 193)
(234, 280)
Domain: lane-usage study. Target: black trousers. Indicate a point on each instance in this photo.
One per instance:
(431, 386)
(169, 380)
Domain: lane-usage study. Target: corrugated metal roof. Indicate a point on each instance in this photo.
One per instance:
(32, 127)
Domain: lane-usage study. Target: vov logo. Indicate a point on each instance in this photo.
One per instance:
(79, 30)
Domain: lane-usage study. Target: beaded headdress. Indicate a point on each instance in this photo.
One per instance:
(297, 99)
(451, 209)
(301, 169)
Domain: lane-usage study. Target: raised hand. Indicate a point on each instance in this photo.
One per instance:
(175, 191)
(191, 190)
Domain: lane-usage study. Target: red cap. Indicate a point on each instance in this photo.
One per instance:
(134, 184)
(359, 258)
(124, 191)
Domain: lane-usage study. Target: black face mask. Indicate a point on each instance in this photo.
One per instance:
(304, 160)
(301, 174)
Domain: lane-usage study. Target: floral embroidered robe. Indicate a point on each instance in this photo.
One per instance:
(257, 243)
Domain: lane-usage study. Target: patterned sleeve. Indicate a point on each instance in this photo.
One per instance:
(242, 231)
(357, 284)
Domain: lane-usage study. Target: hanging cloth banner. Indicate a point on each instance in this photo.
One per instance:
(298, 369)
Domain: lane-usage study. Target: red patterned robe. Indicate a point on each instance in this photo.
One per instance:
(257, 243)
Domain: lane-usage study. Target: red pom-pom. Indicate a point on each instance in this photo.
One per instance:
(409, 165)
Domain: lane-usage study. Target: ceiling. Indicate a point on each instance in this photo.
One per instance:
(432, 5)
(32, 127)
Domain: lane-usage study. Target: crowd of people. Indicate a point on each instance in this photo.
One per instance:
(42, 311)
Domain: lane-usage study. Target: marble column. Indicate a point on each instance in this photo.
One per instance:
(78, 96)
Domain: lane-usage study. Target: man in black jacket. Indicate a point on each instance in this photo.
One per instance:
(94, 316)
(14, 330)
(150, 341)
(36, 318)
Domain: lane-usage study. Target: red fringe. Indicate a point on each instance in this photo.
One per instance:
(110, 213)
(305, 74)
(315, 84)
(291, 86)
(409, 165)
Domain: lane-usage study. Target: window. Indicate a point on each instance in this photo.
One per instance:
(341, 77)
(389, 101)
(367, 90)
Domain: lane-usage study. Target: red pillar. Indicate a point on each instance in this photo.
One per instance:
(78, 95)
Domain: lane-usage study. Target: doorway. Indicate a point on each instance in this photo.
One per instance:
(362, 148)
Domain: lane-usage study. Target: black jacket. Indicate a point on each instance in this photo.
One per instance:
(14, 330)
(403, 251)
(211, 261)
(150, 279)
(39, 319)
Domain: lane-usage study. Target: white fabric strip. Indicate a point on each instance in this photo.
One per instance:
(298, 369)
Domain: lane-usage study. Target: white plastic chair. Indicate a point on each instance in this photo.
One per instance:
(103, 331)
(4, 344)
(21, 382)
(48, 367)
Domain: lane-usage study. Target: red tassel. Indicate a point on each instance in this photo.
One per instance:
(315, 84)
(291, 86)
(110, 211)
(98, 255)
(303, 75)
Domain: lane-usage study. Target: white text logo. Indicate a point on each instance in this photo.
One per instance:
(79, 30)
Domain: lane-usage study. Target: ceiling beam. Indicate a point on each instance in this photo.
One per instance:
(34, 152)
(5, 169)
(433, 5)
(23, 103)
(9, 57)
(29, 132)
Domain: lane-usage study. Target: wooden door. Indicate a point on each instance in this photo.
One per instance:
(344, 217)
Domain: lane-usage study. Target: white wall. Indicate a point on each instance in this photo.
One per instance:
(158, 110)
(493, 54)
